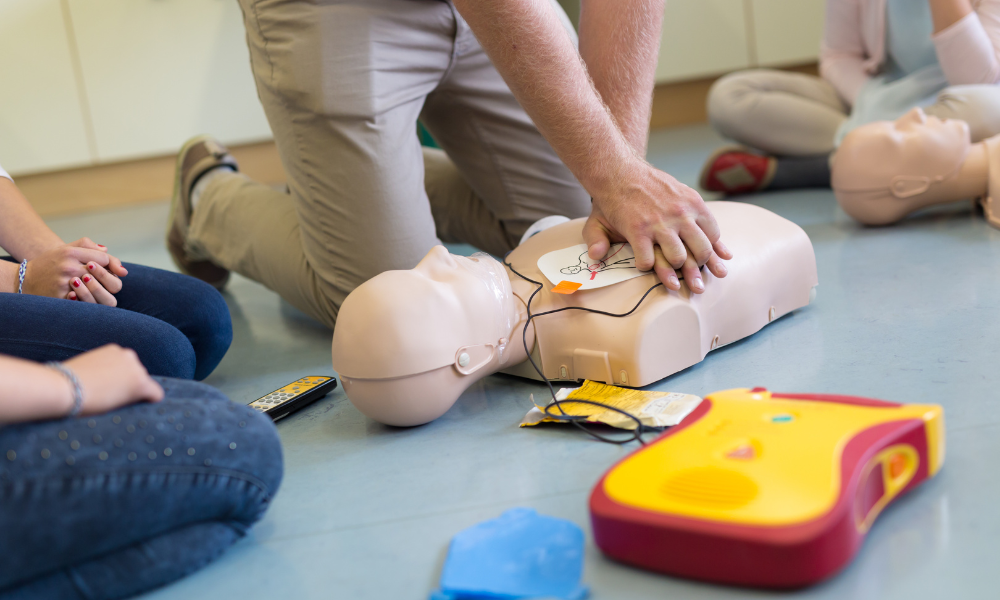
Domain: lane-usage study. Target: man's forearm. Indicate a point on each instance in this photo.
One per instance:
(620, 43)
(536, 57)
(22, 232)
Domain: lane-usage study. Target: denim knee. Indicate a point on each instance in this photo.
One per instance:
(239, 438)
(165, 353)
(210, 328)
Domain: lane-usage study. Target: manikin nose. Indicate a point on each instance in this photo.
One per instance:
(917, 115)
(437, 257)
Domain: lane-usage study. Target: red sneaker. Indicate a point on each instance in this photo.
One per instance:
(736, 170)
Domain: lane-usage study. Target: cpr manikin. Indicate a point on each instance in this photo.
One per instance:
(408, 343)
(885, 170)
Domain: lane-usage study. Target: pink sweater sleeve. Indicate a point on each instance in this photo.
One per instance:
(842, 53)
(969, 50)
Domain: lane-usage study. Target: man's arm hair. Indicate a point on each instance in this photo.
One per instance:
(535, 55)
(620, 44)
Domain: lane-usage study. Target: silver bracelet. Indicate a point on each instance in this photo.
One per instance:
(77, 390)
(20, 275)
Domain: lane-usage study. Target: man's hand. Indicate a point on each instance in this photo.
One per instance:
(81, 270)
(651, 209)
(633, 201)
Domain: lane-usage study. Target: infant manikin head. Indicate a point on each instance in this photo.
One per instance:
(407, 342)
(886, 169)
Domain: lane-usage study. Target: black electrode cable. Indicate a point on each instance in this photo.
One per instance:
(577, 420)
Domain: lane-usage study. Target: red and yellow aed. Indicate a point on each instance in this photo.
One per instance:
(765, 489)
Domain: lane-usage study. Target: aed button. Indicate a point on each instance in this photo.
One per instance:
(744, 452)
(782, 418)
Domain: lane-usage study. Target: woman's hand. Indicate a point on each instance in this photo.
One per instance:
(111, 377)
(81, 270)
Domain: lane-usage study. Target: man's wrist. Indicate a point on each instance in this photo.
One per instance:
(606, 176)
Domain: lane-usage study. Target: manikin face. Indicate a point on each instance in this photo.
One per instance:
(905, 156)
(405, 322)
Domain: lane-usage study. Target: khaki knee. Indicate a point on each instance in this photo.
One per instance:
(728, 99)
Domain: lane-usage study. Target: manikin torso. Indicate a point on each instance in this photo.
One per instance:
(396, 368)
(772, 273)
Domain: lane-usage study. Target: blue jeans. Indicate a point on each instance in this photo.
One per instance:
(178, 325)
(115, 505)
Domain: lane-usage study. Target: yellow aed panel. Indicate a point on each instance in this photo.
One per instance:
(754, 459)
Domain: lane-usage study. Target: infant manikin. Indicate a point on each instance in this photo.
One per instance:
(408, 343)
(885, 170)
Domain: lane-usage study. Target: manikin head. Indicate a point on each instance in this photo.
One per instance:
(886, 169)
(408, 343)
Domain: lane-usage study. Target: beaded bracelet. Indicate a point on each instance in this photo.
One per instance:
(20, 274)
(77, 390)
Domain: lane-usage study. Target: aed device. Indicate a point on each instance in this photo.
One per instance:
(764, 489)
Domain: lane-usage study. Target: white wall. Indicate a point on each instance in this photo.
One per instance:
(89, 81)
(703, 38)
(787, 32)
(158, 73)
(41, 119)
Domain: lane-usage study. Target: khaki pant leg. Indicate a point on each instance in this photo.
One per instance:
(781, 113)
(342, 83)
(252, 229)
(511, 176)
(977, 105)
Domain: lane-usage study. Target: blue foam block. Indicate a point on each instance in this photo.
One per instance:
(520, 554)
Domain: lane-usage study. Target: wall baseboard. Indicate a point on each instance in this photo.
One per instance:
(151, 180)
(131, 183)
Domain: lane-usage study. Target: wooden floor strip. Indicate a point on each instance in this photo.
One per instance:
(133, 182)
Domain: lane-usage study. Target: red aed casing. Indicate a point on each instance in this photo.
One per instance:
(764, 490)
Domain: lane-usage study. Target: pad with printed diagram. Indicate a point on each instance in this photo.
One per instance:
(573, 265)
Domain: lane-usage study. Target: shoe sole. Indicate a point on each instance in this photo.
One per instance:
(706, 168)
(175, 205)
(175, 198)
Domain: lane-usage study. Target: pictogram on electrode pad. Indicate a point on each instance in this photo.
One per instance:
(573, 265)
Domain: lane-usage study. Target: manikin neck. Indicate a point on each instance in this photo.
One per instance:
(522, 291)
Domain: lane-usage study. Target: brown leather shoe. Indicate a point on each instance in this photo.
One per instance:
(198, 156)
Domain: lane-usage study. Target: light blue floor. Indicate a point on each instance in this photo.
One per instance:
(907, 313)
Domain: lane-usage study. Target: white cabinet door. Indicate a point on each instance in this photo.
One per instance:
(702, 38)
(787, 32)
(41, 121)
(158, 72)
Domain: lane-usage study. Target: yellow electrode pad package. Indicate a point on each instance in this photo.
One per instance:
(653, 409)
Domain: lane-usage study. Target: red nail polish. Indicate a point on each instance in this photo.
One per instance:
(91, 266)
(86, 278)
(76, 283)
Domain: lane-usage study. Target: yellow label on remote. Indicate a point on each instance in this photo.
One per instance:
(287, 393)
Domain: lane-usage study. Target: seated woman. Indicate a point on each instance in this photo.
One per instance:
(879, 59)
(113, 483)
(179, 326)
